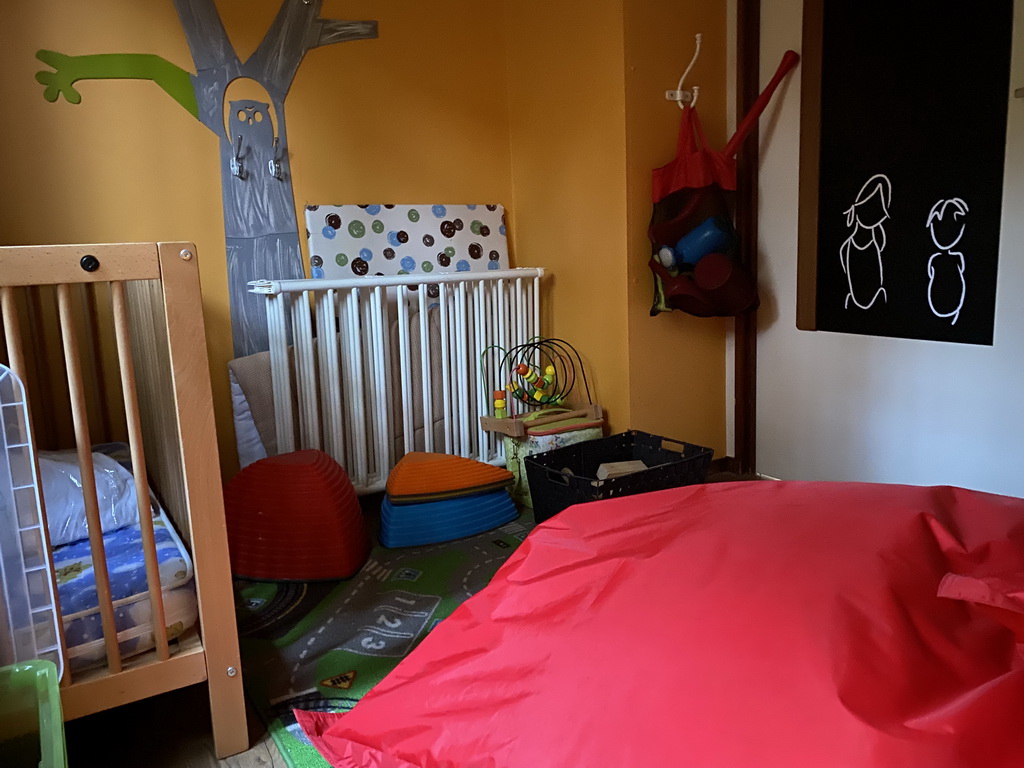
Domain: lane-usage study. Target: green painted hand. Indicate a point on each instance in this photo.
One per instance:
(62, 79)
(108, 66)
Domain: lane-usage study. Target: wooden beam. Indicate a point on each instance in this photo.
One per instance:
(52, 264)
(193, 400)
(142, 677)
(748, 76)
(810, 159)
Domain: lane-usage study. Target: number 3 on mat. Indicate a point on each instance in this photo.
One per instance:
(372, 645)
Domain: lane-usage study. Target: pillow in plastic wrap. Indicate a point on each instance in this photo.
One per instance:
(60, 478)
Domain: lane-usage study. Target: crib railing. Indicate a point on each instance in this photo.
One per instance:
(67, 271)
(67, 314)
(368, 369)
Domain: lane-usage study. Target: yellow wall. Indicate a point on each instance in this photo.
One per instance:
(419, 115)
(589, 122)
(556, 113)
(677, 362)
(568, 170)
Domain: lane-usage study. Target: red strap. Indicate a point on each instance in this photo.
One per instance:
(789, 61)
(685, 145)
(689, 125)
(698, 128)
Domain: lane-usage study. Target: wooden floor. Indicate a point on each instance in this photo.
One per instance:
(168, 731)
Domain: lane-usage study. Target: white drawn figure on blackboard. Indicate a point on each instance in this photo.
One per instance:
(946, 285)
(861, 252)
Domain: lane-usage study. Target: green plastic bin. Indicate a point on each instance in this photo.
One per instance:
(31, 721)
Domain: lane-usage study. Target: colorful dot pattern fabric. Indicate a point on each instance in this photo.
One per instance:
(356, 240)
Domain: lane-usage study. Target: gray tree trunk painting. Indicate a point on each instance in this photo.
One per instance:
(261, 231)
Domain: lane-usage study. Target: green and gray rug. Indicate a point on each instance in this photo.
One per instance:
(323, 645)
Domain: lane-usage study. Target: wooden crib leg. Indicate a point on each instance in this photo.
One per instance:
(201, 471)
(227, 710)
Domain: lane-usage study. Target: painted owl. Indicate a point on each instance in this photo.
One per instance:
(251, 120)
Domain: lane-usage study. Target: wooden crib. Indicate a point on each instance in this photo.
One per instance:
(110, 344)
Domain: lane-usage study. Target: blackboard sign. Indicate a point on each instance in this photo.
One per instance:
(904, 134)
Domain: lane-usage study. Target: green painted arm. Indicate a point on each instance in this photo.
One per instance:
(123, 66)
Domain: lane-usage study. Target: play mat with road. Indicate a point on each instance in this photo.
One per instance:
(323, 645)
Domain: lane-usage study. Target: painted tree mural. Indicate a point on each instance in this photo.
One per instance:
(261, 231)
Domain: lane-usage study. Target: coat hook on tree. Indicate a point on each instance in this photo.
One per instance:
(679, 96)
(236, 161)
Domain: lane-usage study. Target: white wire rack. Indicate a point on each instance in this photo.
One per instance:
(368, 369)
(28, 618)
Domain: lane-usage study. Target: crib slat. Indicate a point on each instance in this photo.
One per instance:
(503, 342)
(281, 372)
(46, 383)
(134, 422)
(408, 423)
(383, 391)
(12, 331)
(370, 384)
(426, 377)
(351, 413)
(16, 359)
(535, 299)
(357, 391)
(475, 379)
(80, 417)
(330, 391)
(338, 377)
(91, 328)
(521, 312)
(462, 364)
(305, 380)
(488, 379)
(446, 366)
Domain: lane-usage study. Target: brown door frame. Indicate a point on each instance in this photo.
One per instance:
(748, 77)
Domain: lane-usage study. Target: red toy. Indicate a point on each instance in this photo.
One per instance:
(295, 517)
(727, 625)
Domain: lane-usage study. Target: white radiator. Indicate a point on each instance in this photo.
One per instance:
(362, 396)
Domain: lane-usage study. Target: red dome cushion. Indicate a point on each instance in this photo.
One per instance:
(295, 517)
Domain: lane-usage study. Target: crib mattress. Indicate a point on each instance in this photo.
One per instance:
(76, 588)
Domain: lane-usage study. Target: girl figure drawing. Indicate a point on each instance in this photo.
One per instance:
(861, 252)
(946, 285)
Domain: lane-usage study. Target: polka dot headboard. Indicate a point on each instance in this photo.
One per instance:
(348, 240)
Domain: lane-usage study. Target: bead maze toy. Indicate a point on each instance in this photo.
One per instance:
(533, 413)
(542, 374)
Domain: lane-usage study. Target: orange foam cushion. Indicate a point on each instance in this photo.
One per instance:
(420, 474)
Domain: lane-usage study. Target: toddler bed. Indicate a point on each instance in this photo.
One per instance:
(110, 345)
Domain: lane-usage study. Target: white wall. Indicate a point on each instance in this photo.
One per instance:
(843, 407)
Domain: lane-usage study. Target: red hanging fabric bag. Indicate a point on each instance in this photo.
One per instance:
(691, 232)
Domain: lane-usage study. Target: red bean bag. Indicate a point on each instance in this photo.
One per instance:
(767, 625)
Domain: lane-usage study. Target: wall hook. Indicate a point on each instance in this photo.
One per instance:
(679, 96)
(274, 164)
(236, 161)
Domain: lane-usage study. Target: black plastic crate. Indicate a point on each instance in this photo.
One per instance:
(670, 464)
